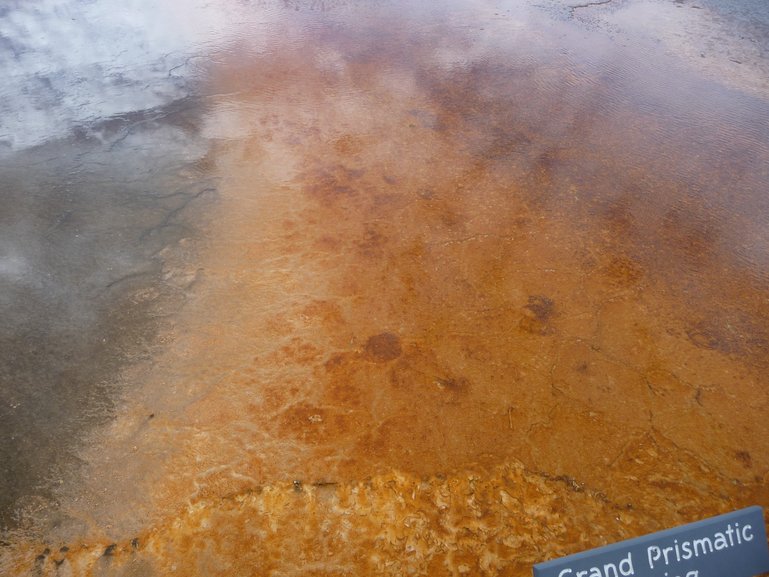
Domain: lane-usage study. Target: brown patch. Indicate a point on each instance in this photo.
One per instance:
(731, 333)
(708, 337)
(348, 145)
(343, 394)
(541, 307)
(546, 164)
(450, 217)
(414, 372)
(744, 458)
(383, 347)
(298, 352)
(537, 315)
(373, 241)
(624, 272)
(691, 233)
(328, 243)
(339, 361)
(273, 398)
(618, 216)
(404, 437)
(420, 374)
(333, 184)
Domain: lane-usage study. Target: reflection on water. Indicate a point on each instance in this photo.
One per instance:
(85, 273)
(68, 63)
(100, 169)
(481, 285)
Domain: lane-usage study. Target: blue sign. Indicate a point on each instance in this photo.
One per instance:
(731, 545)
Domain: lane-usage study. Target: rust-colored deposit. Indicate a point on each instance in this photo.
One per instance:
(454, 317)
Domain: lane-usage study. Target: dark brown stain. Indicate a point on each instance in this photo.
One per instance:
(541, 307)
(383, 347)
(732, 333)
(537, 315)
(744, 458)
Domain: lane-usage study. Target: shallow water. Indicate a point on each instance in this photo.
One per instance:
(435, 289)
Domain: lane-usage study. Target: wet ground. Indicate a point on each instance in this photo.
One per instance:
(337, 288)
